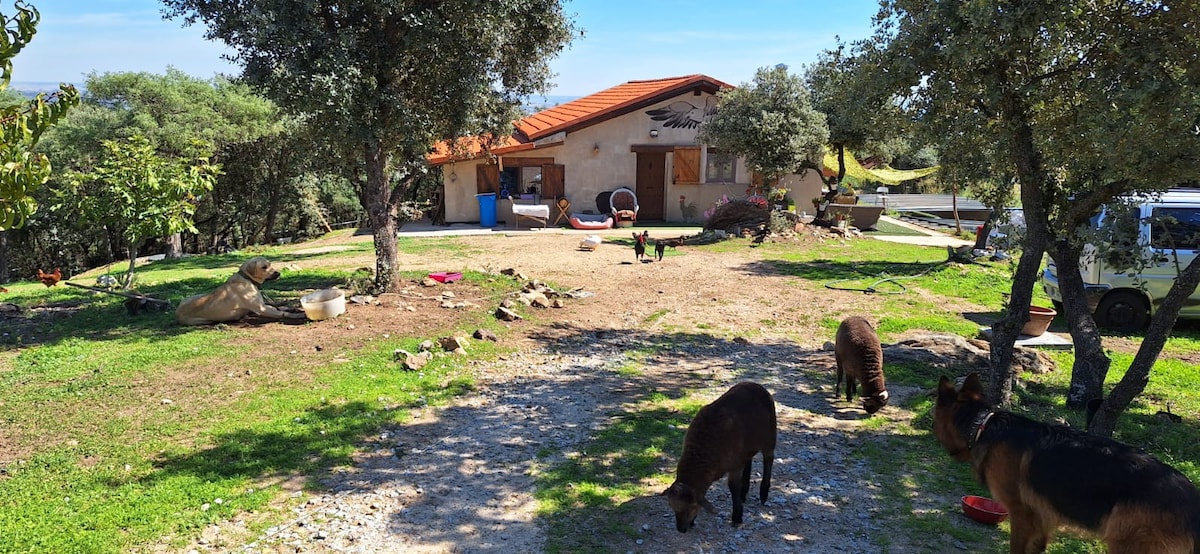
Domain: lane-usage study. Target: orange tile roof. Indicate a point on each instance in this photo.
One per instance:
(469, 148)
(582, 112)
(610, 102)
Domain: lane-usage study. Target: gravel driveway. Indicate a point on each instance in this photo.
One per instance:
(461, 477)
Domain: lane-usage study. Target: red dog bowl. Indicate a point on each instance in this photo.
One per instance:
(445, 277)
(984, 510)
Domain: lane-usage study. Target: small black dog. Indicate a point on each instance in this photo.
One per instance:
(639, 244)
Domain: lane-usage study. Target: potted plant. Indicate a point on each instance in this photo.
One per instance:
(776, 197)
(846, 194)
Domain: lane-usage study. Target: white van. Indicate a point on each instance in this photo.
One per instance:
(1168, 232)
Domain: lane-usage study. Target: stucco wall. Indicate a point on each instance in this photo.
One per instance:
(600, 158)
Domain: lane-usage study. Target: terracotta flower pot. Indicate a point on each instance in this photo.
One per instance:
(1039, 321)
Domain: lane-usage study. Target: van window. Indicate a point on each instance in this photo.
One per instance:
(1177, 228)
(1120, 232)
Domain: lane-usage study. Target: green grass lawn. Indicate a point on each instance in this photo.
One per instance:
(114, 448)
(884, 227)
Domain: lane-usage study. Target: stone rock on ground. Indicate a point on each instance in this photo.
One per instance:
(953, 351)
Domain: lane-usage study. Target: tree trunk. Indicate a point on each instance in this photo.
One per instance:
(981, 238)
(4, 270)
(1027, 161)
(381, 209)
(215, 222)
(1091, 362)
(174, 247)
(841, 148)
(1006, 331)
(954, 209)
(110, 240)
(128, 284)
(273, 199)
(1138, 375)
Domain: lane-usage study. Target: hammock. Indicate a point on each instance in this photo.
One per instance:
(885, 175)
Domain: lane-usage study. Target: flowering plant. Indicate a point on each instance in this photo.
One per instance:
(777, 194)
(758, 201)
(720, 202)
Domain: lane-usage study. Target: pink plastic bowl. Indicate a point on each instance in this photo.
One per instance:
(445, 277)
(984, 510)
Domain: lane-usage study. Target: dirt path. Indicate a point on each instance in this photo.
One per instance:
(460, 478)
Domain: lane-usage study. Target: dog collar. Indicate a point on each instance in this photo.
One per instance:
(980, 422)
(248, 278)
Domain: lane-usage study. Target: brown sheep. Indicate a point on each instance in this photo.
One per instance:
(723, 438)
(860, 358)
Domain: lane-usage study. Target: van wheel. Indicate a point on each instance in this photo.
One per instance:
(1124, 311)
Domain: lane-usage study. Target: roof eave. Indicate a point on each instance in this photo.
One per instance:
(701, 83)
(445, 159)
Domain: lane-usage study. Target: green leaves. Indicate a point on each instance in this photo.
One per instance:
(136, 190)
(22, 171)
(770, 122)
(382, 81)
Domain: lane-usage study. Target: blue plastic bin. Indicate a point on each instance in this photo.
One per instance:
(487, 209)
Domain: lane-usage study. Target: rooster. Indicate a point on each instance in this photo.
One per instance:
(50, 279)
(639, 244)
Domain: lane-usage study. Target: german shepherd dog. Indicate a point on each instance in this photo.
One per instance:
(1050, 476)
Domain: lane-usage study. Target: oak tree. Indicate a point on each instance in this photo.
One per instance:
(383, 81)
(770, 122)
(1080, 102)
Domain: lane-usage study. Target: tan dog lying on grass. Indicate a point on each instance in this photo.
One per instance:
(238, 297)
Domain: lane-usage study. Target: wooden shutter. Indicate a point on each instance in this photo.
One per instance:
(687, 165)
(553, 180)
(487, 178)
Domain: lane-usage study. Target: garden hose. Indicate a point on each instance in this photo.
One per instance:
(873, 287)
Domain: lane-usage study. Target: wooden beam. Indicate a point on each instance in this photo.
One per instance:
(510, 161)
(652, 148)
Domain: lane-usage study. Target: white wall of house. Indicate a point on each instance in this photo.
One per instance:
(600, 158)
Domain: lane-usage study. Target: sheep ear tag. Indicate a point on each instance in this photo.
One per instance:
(882, 396)
(707, 505)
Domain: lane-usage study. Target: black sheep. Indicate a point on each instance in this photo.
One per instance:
(860, 358)
(722, 439)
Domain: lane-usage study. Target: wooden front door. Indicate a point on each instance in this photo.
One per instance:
(651, 185)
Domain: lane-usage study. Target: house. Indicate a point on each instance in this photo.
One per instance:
(640, 135)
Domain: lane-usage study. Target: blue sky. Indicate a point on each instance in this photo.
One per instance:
(624, 40)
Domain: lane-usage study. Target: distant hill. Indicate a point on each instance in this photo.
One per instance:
(533, 104)
(538, 103)
(30, 89)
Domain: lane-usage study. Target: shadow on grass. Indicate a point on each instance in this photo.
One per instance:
(824, 269)
(321, 436)
(99, 316)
